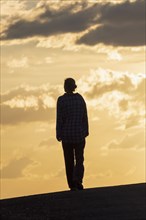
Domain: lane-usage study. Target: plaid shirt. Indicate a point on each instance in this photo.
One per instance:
(72, 119)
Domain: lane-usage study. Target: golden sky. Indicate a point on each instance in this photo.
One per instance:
(102, 45)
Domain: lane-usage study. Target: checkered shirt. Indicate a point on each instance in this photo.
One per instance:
(72, 119)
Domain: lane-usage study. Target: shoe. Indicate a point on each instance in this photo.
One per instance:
(79, 186)
(73, 189)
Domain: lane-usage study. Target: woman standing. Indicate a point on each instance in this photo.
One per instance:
(71, 129)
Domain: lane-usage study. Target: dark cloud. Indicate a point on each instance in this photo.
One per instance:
(120, 25)
(128, 35)
(126, 12)
(15, 168)
(53, 23)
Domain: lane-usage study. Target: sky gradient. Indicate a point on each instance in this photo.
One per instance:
(101, 44)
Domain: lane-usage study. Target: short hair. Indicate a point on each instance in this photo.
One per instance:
(70, 85)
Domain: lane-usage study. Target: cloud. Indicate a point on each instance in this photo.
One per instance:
(14, 116)
(64, 41)
(121, 94)
(121, 24)
(130, 141)
(52, 22)
(24, 91)
(58, 174)
(9, 8)
(48, 142)
(102, 81)
(134, 141)
(20, 63)
(42, 127)
(100, 175)
(131, 171)
(132, 120)
(48, 60)
(114, 55)
(123, 12)
(28, 104)
(15, 168)
(128, 35)
(140, 91)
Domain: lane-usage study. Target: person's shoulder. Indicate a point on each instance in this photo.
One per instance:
(60, 98)
(81, 99)
(80, 96)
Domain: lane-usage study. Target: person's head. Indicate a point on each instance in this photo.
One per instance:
(69, 85)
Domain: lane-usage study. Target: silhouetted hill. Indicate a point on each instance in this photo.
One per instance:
(127, 202)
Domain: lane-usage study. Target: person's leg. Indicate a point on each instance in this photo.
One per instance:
(79, 168)
(69, 163)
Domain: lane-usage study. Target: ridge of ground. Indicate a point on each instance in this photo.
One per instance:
(124, 202)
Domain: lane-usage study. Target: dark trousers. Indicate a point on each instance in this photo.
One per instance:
(74, 159)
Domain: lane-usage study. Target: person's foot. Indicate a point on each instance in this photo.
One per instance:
(73, 189)
(79, 186)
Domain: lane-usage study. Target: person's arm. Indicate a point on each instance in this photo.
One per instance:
(85, 120)
(59, 121)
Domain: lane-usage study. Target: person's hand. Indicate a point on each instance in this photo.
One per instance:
(59, 139)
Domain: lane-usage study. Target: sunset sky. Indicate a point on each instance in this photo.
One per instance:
(99, 43)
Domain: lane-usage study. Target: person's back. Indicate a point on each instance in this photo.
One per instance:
(71, 129)
(74, 124)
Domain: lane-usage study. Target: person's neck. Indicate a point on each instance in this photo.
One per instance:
(70, 93)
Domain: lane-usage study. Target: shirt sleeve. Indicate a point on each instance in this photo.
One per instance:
(85, 120)
(59, 119)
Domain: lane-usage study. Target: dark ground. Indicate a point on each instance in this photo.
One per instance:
(127, 202)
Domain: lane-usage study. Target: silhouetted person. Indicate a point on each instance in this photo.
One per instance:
(71, 129)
